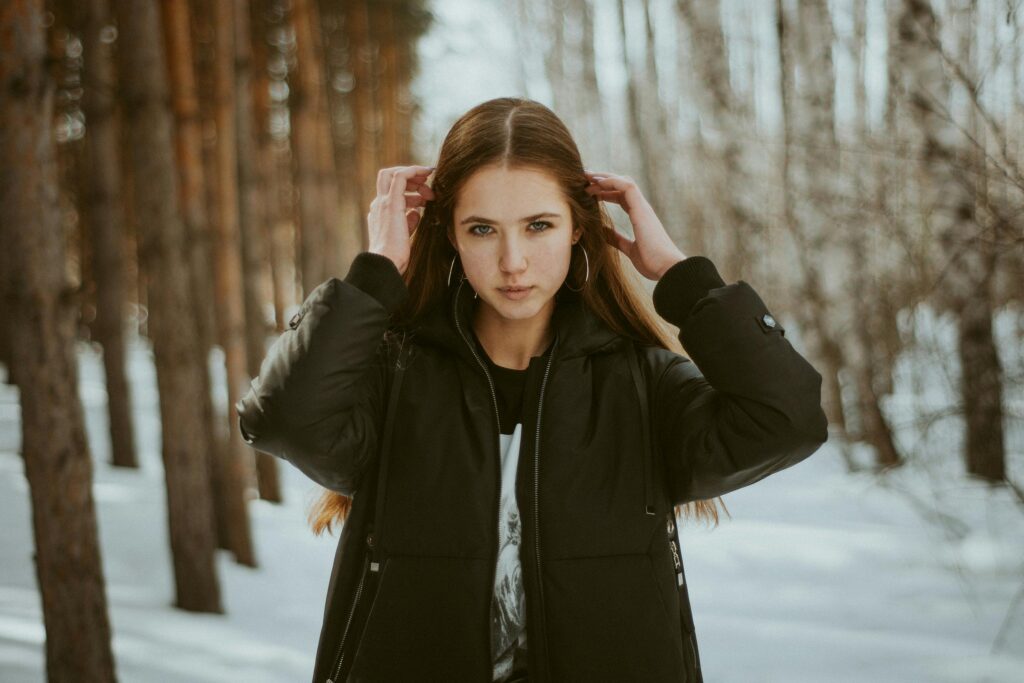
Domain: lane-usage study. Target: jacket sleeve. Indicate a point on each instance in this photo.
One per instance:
(746, 405)
(318, 401)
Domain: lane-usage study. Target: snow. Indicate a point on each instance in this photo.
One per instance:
(819, 575)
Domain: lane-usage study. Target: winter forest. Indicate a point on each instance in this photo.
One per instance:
(177, 175)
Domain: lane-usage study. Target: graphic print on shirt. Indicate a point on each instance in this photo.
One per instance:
(508, 607)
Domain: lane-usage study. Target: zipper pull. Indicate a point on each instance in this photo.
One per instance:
(374, 566)
(676, 558)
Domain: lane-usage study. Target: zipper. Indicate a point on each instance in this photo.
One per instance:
(536, 503)
(536, 456)
(340, 657)
(648, 446)
(497, 421)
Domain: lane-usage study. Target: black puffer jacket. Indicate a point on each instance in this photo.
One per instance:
(615, 434)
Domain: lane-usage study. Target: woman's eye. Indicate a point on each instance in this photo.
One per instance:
(544, 226)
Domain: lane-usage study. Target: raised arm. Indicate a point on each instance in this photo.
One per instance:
(747, 405)
(318, 401)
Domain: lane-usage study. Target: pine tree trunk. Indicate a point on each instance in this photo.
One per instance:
(192, 193)
(58, 466)
(269, 164)
(235, 461)
(306, 93)
(252, 188)
(102, 213)
(172, 309)
(357, 27)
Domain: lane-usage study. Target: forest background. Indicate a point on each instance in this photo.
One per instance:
(176, 175)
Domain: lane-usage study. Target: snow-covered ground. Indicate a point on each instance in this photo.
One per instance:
(819, 575)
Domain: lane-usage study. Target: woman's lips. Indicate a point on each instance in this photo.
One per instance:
(515, 293)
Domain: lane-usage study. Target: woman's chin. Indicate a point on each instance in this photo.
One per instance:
(517, 309)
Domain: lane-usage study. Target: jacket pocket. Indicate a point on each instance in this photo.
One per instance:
(609, 619)
(366, 593)
(428, 621)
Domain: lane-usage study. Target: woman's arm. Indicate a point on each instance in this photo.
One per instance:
(318, 401)
(747, 405)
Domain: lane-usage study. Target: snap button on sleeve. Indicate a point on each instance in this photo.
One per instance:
(245, 435)
(768, 324)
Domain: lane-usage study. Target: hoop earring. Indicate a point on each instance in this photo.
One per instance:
(452, 266)
(450, 269)
(587, 259)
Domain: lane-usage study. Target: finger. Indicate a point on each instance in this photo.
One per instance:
(414, 200)
(614, 196)
(420, 187)
(409, 175)
(385, 176)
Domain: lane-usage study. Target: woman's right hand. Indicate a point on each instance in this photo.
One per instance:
(394, 212)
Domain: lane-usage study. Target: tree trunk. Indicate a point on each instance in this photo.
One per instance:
(234, 463)
(870, 359)
(307, 93)
(950, 197)
(805, 44)
(172, 324)
(271, 161)
(58, 466)
(643, 141)
(252, 188)
(102, 212)
(721, 150)
(192, 189)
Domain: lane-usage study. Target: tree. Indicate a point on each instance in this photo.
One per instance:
(172, 326)
(968, 260)
(191, 176)
(103, 213)
(58, 465)
(232, 461)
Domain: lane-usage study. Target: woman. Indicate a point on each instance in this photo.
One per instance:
(503, 425)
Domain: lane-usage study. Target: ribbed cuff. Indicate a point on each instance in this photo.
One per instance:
(683, 285)
(378, 276)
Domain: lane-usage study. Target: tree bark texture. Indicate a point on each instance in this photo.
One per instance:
(235, 460)
(58, 466)
(103, 213)
(172, 315)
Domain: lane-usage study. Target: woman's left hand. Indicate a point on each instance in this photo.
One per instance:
(652, 251)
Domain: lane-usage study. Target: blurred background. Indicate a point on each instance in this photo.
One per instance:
(176, 176)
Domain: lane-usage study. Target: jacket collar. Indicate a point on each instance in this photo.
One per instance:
(577, 329)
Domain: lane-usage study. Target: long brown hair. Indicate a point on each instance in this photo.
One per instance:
(522, 133)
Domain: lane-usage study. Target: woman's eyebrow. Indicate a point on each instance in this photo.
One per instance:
(527, 219)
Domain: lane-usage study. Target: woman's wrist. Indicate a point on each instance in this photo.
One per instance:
(667, 262)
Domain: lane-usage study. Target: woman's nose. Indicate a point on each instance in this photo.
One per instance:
(513, 258)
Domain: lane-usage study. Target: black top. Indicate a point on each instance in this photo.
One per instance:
(508, 385)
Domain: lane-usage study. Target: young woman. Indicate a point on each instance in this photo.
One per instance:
(503, 424)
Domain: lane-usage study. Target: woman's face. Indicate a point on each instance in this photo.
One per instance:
(513, 228)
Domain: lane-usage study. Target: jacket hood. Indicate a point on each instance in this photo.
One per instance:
(578, 331)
